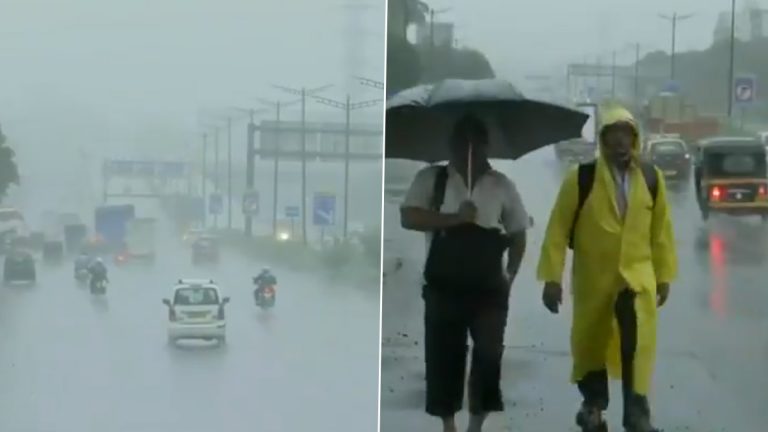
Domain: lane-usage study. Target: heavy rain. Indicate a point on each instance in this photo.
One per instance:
(696, 110)
(223, 300)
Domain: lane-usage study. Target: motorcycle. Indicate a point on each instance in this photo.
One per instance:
(265, 297)
(99, 287)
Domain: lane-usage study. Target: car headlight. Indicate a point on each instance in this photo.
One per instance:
(283, 236)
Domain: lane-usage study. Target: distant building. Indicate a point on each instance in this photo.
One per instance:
(751, 24)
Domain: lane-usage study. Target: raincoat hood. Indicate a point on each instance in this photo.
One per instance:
(616, 114)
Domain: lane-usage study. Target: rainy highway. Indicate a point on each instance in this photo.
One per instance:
(713, 332)
(71, 362)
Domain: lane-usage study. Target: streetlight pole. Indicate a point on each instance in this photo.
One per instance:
(229, 173)
(204, 186)
(637, 75)
(303, 92)
(348, 107)
(216, 170)
(613, 75)
(432, 13)
(731, 66)
(277, 105)
(674, 19)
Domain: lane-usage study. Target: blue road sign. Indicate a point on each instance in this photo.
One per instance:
(324, 209)
(745, 90)
(251, 203)
(215, 204)
(292, 212)
(671, 87)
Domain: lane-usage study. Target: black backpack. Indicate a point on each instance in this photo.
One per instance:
(463, 257)
(586, 178)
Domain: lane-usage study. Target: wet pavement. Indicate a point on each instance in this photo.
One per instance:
(70, 362)
(713, 333)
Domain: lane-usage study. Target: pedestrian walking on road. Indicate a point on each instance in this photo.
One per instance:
(614, 214)
(472, 215)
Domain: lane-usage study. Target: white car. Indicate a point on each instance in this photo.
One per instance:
(196, 311)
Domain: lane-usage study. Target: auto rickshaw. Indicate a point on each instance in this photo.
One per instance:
(731, 177)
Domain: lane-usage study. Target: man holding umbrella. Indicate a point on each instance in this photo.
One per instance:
(614, 214)
(443, 199)
(473, 216)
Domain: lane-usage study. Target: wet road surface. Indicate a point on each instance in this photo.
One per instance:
(70, 362)
(713, 333)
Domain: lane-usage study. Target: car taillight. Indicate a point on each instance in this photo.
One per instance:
(762, 192)
(171, 314)
(715, 193)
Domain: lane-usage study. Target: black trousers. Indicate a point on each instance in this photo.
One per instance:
(594, 386)
(449, 316)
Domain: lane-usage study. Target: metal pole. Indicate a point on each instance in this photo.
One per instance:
(613, 75)
(731, 71)
(637, 75)
(216, 171)
(304, 164)
(348, 109)
(249, 171)
(205, 179)
(674, 43)
(431, 43)
(229, 173)
(276, 170)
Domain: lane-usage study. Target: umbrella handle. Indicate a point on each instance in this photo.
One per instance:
(469, 171)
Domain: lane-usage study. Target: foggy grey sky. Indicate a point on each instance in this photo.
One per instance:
(148, 63)
(521, 37)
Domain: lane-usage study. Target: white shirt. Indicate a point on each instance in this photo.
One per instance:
(498, 203)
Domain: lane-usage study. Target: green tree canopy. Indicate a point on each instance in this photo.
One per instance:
(9, 173)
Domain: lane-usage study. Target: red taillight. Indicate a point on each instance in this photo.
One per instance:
(715, 193)
(171, 314)
(761, 191)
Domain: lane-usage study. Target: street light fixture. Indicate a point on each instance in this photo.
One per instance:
(277, 106)
(674, 19)
(303, 92)
(348, 107)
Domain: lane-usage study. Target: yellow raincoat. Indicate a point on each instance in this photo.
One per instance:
(610, 254)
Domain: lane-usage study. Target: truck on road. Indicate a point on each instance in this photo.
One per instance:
(110, 224)
(139, 240)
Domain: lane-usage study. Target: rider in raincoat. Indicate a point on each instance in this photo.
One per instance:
(623, 262)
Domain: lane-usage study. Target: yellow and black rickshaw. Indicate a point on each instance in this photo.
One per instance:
(731, 177)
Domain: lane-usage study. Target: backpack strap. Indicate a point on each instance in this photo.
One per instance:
(438, 189)
(651, 177)
(586, 178)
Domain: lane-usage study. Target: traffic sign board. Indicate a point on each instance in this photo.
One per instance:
(745, 89)
(251, 203)
(672, 87)
(324, 209)
(292, 212)
(215, 204)
(133, 168)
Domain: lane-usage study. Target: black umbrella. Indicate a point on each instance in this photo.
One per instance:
(420, 120)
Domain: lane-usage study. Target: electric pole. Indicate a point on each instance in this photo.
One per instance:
(674, 19)
(732, 59)
(304, 92)
(277, 106)
(348, 107)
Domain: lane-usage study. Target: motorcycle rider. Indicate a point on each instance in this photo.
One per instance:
(263, 280)
(98, 271)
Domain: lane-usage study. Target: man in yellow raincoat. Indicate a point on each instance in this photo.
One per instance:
(614, 213)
